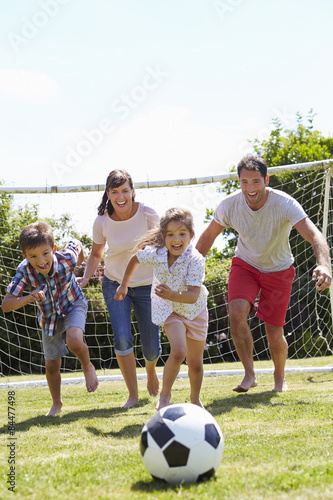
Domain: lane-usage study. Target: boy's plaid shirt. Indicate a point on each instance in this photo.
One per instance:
(61, 289)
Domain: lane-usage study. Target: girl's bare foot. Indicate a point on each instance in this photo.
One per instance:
(54, 410)
(197, 402)
(162, 402)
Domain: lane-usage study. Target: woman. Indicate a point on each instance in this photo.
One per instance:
(121, 222)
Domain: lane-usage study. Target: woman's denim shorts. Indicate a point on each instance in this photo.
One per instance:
(120, 316)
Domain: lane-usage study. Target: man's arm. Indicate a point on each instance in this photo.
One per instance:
(208, 237)
(322, 273)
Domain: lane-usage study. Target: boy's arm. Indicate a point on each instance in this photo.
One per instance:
(80, 257)
(132, 265)
(189, 296)
(12, 302)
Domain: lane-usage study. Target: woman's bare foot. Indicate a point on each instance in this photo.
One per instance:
(162, 402)
(54, 410)
(132, 401)
(153, 383)
(91, 378)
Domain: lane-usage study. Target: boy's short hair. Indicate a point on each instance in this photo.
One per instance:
(252, 162)
(36, 234)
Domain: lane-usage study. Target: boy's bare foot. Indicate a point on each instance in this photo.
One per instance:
(54, 410)
(280, 386)
(153, 383)
(162, 402)
(132, 401)
(91, 378)
(246, 384)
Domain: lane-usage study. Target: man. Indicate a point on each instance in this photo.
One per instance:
(263, 218)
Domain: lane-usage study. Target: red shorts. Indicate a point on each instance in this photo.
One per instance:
(245, 282)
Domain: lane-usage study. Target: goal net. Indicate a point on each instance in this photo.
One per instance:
(308, 328)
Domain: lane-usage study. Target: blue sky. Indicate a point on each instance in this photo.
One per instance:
(164, 89)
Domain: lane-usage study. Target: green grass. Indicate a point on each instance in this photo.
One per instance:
(277, 446)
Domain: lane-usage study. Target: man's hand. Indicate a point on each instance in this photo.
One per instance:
(322, 276)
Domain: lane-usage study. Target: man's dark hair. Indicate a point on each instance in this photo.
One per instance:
(251, 162)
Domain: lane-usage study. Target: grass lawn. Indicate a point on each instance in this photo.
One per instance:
(277, 445)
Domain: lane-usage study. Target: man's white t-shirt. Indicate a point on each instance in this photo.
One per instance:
(263, 235)
(121, 237)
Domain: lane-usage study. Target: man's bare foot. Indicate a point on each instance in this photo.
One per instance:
(153, 383)
(162, 402)
(280, 386)
(132, 401)
(246, 384)
(91, 378)
(54, 410)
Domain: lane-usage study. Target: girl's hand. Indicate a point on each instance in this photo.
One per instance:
(120, 293)
(164, 291)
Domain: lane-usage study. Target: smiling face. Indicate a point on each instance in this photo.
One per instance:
(254, 188)
(41, 258)
(121, 199)
(177, 238)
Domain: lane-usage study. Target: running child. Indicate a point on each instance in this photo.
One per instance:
(62, 306)
(179, 298)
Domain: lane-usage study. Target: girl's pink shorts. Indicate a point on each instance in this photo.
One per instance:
(196, 328)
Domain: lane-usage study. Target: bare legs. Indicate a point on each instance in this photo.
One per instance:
(239, 310)
(127, 365)
(75, 343)
(53, 378)
(278, 348)
(181, 347)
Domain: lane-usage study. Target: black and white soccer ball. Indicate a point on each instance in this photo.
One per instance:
(182, 443)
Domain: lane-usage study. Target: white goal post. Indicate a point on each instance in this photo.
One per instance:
(308, 329)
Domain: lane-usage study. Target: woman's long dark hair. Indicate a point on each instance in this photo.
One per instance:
(115, 179)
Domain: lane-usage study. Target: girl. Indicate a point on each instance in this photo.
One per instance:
(179, 299)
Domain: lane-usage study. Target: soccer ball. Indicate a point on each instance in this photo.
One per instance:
(181, 443)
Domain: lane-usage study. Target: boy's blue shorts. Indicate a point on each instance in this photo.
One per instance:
(55, 347)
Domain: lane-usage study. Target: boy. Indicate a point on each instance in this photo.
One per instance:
(62, 307)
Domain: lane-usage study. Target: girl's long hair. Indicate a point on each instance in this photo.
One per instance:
(115, 179)
(155, 237)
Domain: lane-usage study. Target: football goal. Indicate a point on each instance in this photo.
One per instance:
(308, 328)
